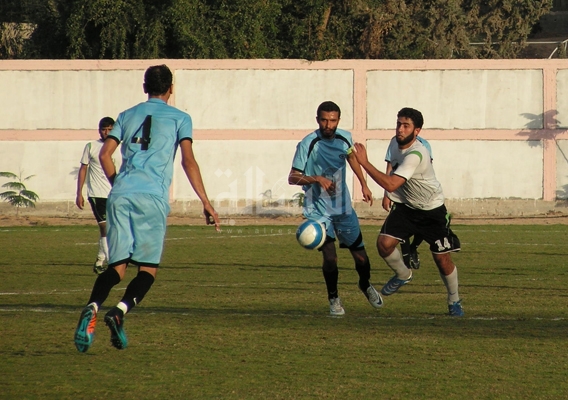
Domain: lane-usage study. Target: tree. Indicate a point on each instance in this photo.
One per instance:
(448, 28)
(18, 195)
(310, 29)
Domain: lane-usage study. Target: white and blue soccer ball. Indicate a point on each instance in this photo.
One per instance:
(311, 234)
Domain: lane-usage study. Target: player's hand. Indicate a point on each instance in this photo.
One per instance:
(327, 184)
(387, 203)
(360, 153)
(80, 202)
(367, 195)
(211, 217)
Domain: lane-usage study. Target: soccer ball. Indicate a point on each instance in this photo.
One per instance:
(311, 234)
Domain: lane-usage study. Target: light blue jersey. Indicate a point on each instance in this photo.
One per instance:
(138, 203)
(316, 155)
(148, 154)
(388, 156)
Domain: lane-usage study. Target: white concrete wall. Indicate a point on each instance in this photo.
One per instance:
(236, 170)
(66, 99)
(464, 99)
(562, 96)
(562, 168)
(470, 169)
(498, 129)
(262, 99)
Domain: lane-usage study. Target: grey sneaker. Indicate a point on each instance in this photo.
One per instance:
(372, 296)
(335, 307)
(394, 284)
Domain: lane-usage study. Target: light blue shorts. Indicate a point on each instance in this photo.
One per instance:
(343, 226)
(136, 228)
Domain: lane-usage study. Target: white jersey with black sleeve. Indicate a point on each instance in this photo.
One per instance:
(421, 190)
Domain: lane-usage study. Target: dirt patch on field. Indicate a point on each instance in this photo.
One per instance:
(9, 220)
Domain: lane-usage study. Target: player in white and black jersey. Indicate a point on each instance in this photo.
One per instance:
(409, 249)
(418, 207)
(98, 188)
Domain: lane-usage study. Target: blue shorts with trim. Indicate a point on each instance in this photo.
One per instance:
(343, 226)
(136, 228)
(433, 225)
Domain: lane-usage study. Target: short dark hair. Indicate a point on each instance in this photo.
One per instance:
(329, 106)
(106, 122)
(157, 80)
(414, 115)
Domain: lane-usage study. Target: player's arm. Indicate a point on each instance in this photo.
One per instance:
(296, 177)
(356, 167)
(387, 203)
(105, 157)
(79, 200)
(388, 182)
(193, 173)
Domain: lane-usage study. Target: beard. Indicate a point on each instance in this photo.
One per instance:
(406, 140)
(328, 132)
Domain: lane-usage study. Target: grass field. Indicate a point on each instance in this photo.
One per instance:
(243, 315)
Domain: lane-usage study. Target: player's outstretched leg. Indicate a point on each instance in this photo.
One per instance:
(114, 319)
(393, 257)
(86, 328)
(372, 295)
(394, 284)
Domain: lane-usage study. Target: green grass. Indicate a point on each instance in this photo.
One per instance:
(244, 315)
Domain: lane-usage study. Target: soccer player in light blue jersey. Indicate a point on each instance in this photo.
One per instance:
(418, 208)
(319, 166)
(138, 204)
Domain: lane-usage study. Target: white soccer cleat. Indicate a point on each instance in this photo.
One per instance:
(335, 307)
(373, 296)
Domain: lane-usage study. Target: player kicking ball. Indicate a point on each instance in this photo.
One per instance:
(319, 166)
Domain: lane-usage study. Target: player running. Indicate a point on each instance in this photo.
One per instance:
(138, 204)
(418, 208)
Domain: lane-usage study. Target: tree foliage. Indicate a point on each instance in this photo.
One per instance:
(309, 29)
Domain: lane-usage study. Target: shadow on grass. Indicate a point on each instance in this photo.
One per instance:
(253, 319)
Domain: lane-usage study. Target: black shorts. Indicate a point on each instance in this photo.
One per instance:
(433, 225)
(98, 205)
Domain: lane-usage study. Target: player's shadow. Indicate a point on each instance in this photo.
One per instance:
(255, 317)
